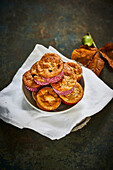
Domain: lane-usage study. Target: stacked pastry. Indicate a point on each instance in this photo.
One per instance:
(52, 81)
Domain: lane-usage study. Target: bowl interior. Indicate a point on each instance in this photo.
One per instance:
(62, 108)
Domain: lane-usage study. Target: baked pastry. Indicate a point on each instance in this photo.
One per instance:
(50, 67)
(29, 81)
(74, 97)
(47, 99)
(34, 94)
(37, 78)
(67, 83)
(76, 68)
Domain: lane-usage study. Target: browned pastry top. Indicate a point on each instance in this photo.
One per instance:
(28, 80)
(34, 71)
(50, 65)
(47, 99)
(68, 80)
(76, 68)
(75, 96)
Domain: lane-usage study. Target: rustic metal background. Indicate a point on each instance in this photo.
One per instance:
(23, 24)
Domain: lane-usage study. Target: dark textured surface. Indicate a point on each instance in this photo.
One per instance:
(60, 24)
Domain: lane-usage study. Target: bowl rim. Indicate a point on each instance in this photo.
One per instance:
(53, 112)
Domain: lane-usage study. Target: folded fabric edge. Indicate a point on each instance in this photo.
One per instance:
(16, 124)
(48, 135)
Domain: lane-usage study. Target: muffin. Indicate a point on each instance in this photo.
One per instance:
(76, 68)
(47, 99)
(74, 97)
(51, 67)
(67, 83)
(37, 78)
(28, 81)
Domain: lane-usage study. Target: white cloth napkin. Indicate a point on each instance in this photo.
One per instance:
(15, 110)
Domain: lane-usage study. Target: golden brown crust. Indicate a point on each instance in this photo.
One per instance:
(68, 80)
(47, 99)
(75, 96)
(34, 94)
(34, 71)
(40, 107)
(76, 68)
(28, 80)
(50, 65)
